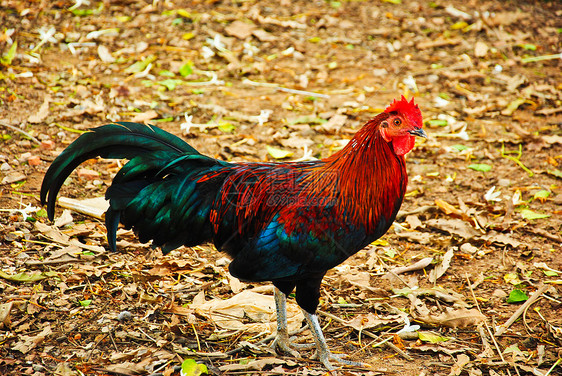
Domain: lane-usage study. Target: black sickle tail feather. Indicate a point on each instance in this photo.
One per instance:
(117, 140)
(156, 192)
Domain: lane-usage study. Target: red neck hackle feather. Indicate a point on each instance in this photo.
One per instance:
(366, 177)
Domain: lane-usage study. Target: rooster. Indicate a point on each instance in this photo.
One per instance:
(288, 223)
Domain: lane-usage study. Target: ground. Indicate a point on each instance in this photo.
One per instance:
(482, 214)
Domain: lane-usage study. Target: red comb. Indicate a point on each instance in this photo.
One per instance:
(409, 109)
(403, 106)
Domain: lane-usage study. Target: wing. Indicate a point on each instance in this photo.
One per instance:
(162, 200)
(275, 226)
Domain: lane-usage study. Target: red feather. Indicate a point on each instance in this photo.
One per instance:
(365, 181)
(366, 176)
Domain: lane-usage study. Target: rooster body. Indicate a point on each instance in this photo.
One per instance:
(282, 222)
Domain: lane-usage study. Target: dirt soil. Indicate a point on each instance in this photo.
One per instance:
(282, 80)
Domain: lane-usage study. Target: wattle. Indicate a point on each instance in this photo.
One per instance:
(403, 144)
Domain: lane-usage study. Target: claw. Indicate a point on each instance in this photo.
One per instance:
(283, 343)
(322, 352)
(326, 357)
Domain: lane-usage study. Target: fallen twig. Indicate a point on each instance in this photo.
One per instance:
(421, 264)
(3, 123)
(533, 59)
(515, 316)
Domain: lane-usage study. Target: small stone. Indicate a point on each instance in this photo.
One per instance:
(12, 177)
(480, 49)
(25, 156)
(86, 173)
(47, 145)
(469, 248)
(34, 160)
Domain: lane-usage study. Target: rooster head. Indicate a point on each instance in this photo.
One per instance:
(403, 123)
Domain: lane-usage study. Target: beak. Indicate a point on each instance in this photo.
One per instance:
(418, 132)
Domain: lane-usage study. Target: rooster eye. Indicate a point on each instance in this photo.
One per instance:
(397, 122)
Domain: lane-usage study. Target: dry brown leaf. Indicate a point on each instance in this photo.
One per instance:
(457, 368)
(170, 266)
(105, 54)
(28, 343)
(235, 284)
(42, 113)
(452, 318)
(356, 278)
(454, 227)
(55, 235)
(438, 43)
(502, 239)
(334, 124)
(233, 313)
(296, 142)
(440, 269)
(5, 314)
(415, 236)
(447, 208)
(370, 320)
(256, 365)
(126, 368)
(439, 293)
(414, 222)
(449, 348)
(13, 176)
(554, 139)
(87, 106)
(505, 18)
(263, 35)
(64, 219)
(145, 116)
(549, 111)
(240, 29)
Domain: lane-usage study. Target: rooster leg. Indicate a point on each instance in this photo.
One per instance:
(322, 352)
(282, 340)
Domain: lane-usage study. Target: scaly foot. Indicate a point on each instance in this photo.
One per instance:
(282, 340)
(325, 358)
(322, 352)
